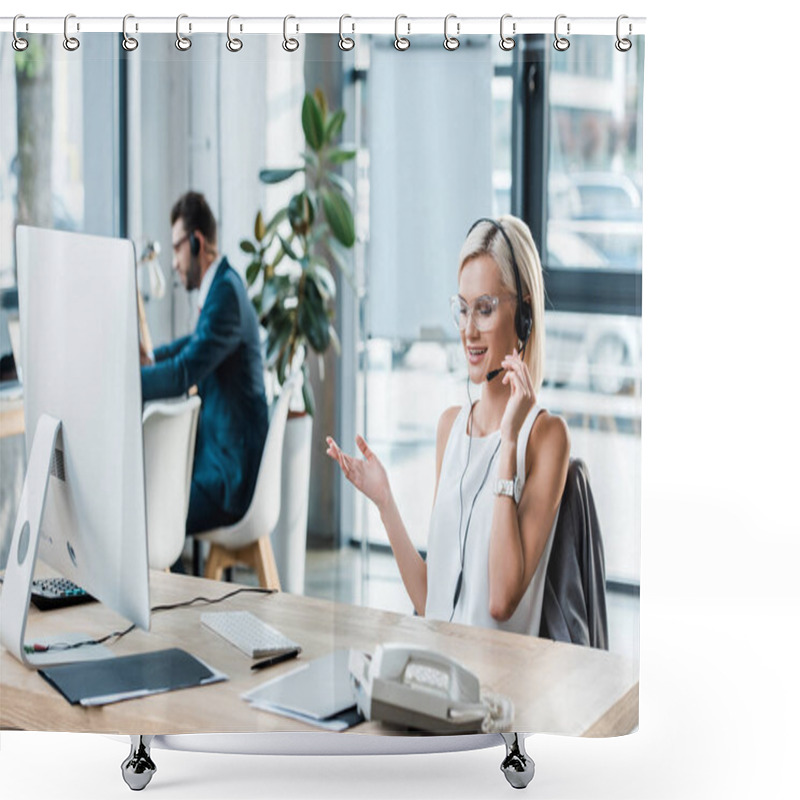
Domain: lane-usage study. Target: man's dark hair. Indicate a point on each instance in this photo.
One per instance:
(196, 214)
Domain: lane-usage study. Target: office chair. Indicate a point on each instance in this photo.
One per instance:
(574, 602)
(169, 430)
(248, 541)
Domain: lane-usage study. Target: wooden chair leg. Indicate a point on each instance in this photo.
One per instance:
(266, 567)
(257, 555)
(216, 562)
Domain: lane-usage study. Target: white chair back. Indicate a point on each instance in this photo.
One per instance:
(262, 515)
(169, 429)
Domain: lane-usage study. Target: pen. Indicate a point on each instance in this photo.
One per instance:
(277, 659)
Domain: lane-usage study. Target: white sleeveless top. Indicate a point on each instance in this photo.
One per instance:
(444, 561)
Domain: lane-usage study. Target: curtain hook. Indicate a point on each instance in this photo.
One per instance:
(400, 42)
(234, 45)
(128, 42)
(289, 45)
(561, 43)
(507, 42)
(623, 45)
(182, 42)
(19, 44)
(70, 42)
(345, 42)
(451, 42)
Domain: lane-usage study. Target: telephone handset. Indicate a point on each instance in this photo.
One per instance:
(417, 688)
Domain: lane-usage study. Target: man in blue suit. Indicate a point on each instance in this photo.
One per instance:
(222, 358)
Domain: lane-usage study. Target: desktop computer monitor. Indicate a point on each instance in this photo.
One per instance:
(83, 503)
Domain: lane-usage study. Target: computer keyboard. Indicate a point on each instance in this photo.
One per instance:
(247, 632)
(50, 593)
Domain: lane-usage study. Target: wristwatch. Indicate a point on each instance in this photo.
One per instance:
(507, 488)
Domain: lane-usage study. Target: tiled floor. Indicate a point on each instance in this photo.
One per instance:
(336, 575)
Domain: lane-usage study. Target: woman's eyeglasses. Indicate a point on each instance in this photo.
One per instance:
(483, 311)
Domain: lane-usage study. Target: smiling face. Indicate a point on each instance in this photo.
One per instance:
(485, 349)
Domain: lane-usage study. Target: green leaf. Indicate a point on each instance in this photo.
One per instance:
(287, 249)
(324, 280)
(313, 126)
(313, 320)
(248, 247)
(252, 272)
(260, 228)
(278, 175)
(301, 213)
(337, 182)
(278, 332)
(322, 102)
(340, 156)
(308, 394)
(269, 296)
(334, 126)
(339, 217)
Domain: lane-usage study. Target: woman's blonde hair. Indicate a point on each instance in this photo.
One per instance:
(486, 239)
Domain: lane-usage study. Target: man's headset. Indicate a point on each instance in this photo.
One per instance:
(194, 245)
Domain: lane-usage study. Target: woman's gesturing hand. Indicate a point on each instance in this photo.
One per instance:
(367, 474)
(522, 398)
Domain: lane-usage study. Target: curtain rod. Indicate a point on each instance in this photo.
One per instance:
(405, 25)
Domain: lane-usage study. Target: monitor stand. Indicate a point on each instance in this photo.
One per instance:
(16, 597)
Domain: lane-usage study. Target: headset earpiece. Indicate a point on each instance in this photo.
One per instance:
(523, 321)
(194, 245)
(523, 317)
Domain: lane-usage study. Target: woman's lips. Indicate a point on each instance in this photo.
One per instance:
(475, 354)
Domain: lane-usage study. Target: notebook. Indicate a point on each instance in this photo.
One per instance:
(110, 680)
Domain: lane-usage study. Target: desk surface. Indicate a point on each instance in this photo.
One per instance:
(556, 688)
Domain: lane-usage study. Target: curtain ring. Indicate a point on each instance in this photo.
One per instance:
(289, 45)
(561, 43)
(234, 45)
(128, 42)
(507, 42)
(345, 42)
(70, 42)
(400, 42)
(182, 42)
(451, 42)
(623, 45)
(19, 44)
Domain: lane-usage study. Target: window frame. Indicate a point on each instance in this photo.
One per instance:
(576, 289)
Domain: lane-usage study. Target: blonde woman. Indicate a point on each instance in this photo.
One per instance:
(501, 461)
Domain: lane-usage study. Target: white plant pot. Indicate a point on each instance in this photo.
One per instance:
(289, 536)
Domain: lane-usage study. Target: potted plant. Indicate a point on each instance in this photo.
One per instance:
(291, 277)
(293, 254)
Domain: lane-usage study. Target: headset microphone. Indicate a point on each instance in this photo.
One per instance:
(493, 374)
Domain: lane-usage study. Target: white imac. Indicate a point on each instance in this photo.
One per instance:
(82, 508)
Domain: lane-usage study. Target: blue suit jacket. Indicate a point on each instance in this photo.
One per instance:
(223, 359)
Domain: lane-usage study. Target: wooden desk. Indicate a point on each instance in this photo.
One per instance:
(556, 688)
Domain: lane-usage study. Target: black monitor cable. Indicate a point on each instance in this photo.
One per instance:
(117, 635)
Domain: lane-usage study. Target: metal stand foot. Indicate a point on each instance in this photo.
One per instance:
(517, 766)
(138, 768)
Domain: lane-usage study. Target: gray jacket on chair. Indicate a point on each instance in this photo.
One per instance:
(574, 605)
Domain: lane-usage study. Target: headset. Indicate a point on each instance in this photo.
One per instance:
(523, 324)
(194, 244)
(523, 316)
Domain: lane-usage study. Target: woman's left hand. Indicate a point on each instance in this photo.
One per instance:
(522, 398)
